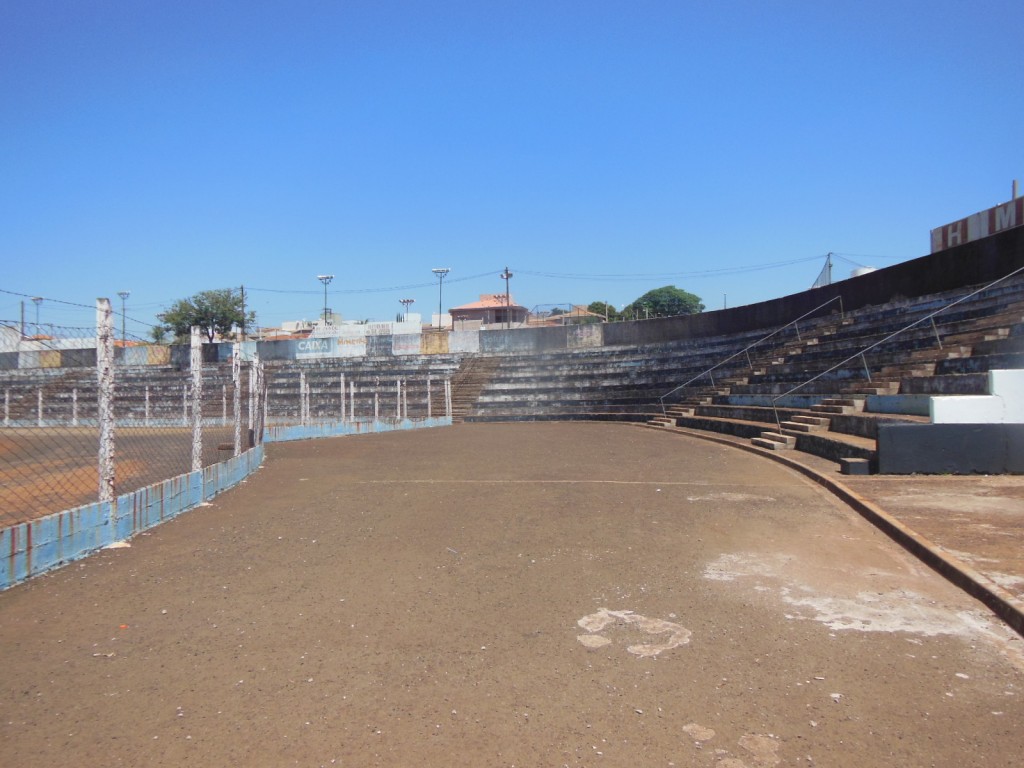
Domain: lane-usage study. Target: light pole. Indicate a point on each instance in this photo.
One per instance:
(37, 300)
(124, 296)
(405, 305)
(508, 305)
(440, 272)
(326, 280)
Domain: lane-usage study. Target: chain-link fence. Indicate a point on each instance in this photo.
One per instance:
(82, 425)
(76, 435)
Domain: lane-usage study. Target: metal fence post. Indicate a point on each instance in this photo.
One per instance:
(303, 400)
(196, 361)
(398, 399)
(428, 397)
(105, 404)
(257, 401)
(236, 403)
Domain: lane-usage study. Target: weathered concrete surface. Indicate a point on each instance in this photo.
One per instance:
(517, 594)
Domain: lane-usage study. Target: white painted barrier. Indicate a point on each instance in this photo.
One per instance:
(1003, 405)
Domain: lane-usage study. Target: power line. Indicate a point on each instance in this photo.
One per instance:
(406, 287)
(667, 275)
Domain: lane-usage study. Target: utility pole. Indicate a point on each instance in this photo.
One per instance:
(37, 300)
(405, 305)
(508, 306)
(124, 297)
(242, 292)
(326, 280)
(441, 272)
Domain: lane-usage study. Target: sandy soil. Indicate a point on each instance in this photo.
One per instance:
(509, 595)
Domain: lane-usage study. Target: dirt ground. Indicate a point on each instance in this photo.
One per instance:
(509, 595)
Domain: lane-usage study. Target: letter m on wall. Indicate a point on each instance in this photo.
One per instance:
(1006, 216)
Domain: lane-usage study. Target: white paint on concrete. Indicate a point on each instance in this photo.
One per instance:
(1003, 405)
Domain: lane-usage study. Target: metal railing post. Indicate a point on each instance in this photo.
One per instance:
(935, 329)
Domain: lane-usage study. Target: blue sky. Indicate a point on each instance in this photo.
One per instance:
(597, 149)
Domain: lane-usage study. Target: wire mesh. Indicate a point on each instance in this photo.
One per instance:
(50, 432)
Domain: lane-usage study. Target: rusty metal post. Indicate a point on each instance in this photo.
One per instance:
(236, 402)
(258, 407)
(196, 361)
(105, 392)
(303, 400)
(251, 406)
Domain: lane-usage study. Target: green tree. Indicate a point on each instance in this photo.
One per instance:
(603, 308)
(663, 302)
(217, 313)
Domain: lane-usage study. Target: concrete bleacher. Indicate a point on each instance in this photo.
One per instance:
(807, 389)
(839, 414)
(157, 395)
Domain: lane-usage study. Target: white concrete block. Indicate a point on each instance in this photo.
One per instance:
(1009, 385)
(966, 409)
(1005, 404)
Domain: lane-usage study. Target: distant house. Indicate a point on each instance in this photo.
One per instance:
(491, 309)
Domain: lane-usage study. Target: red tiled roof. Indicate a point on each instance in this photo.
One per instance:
(488, 301)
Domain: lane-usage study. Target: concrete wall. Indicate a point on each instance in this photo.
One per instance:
(284, 434)
(524, 341)
(950, 449)
(434, 343)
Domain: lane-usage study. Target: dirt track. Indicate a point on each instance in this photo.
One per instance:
(462, 597)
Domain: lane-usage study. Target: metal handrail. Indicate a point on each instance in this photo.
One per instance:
(746, 349)
(894, 334)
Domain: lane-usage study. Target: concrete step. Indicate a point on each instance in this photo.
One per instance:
(814, 421)
(839, 405)
(680, 410)
(775, 441)
(799, 426)
(878, 388)
(662, 421)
